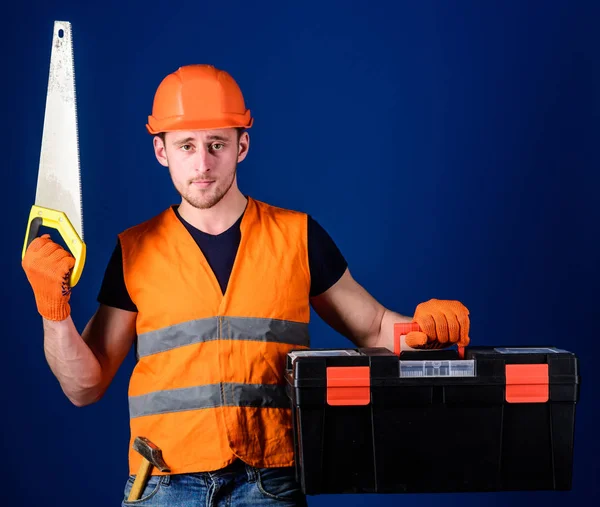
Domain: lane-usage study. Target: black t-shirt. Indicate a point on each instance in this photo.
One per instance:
(326, 262)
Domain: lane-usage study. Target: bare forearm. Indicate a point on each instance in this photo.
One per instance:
(384, 336)
(353, 312)
(72, 361)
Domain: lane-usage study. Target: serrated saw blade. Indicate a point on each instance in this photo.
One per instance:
(59, 177)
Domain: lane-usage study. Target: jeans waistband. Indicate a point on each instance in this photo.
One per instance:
(236, 466)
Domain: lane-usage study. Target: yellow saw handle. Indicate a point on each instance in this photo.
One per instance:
(47, 217)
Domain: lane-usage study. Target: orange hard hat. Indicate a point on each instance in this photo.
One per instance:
(198, 97)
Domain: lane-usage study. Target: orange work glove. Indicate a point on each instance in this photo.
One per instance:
(48, 268)
(443, 323)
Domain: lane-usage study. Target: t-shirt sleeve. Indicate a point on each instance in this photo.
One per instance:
(325, 260)
(113, 291)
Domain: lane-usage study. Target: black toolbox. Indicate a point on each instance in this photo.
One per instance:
(370, 421)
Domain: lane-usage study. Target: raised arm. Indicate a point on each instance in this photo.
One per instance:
(83, 364)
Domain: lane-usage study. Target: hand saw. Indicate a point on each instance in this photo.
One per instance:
(58, 194)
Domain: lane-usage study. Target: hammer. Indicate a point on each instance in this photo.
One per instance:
(151, 456)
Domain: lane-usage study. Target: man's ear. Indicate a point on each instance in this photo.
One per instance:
(160, 150)
(243, 146)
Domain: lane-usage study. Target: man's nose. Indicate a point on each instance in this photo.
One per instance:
(202, 160)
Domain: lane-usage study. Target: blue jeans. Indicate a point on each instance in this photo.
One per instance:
(235, 485)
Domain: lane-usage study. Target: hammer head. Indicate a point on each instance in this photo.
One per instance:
(151, 452)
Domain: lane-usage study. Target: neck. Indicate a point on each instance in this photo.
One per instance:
(220, 217)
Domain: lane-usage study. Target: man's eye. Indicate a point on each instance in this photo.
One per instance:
(217, 146)
(186, 147)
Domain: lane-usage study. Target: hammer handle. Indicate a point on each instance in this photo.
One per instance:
(140, 480)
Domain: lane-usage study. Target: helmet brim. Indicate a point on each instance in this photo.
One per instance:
(175, 123)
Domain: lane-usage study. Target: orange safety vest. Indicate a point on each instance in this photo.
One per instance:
(209, 382)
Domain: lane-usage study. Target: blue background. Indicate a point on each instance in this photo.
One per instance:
(449, 148)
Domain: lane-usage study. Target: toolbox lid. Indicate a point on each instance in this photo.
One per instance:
(510, 374)
(530, 350)
(295, 354)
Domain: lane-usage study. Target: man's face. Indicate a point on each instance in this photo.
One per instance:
(202, 163)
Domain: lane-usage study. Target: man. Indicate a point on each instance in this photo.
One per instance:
(214, 292)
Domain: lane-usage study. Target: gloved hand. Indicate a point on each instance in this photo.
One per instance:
(442, 322)
(48, 268)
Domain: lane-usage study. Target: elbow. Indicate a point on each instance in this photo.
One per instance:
(85, 400)
(84, 397)
(78, 402)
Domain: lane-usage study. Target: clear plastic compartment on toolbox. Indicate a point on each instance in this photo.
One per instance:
(460, 368)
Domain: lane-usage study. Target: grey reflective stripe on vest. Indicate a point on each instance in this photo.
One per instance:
(186, 333)
(209, 396)
(229, 328)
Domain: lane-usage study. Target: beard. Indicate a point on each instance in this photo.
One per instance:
(205, 198)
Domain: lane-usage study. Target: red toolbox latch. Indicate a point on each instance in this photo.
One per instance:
(348, 385)
(527, 383)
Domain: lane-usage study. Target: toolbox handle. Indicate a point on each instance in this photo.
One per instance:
(403, 328)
